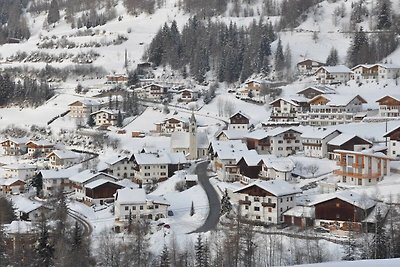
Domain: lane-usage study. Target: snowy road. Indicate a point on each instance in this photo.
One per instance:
(213, 199)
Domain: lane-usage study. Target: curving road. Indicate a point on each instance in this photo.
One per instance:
(213, 199)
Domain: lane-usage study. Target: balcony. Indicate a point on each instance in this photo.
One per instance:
(357, 175)
(244, 202)
(268, 204)
(341, 163)
(358, 165)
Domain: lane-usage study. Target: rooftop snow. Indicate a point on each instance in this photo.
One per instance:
(275, 187)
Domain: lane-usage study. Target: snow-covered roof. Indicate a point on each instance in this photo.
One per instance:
(182, 140)
(343, 138)
(19, 227)
(301, 211)
(278, 164)
(19, 141)
(19, 166)
(64, 154)
(87, 175)
(109, 111)
(128, 183)
(275, 187)
(360, 201)
(319, 133)
(130, 196)
(115, 159)
(234, 134)
(86, 102)
(394, 96)
(9, 181)
(338, 100)
(241, 113)
(159, 158)
(157, 200)
(385, 66)
(336, 69)
(323, 89)
(251, 157)
(383, 210)
(41, 143)
(280, 130)
(25, 205)
(58, 174)
(257, 134)
(99, 182)
(284, 100)
(228, 149)
(181, 119)
(387, 134)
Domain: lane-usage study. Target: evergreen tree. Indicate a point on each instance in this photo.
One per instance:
(44, 250)
(226, 205)
(350, 246)
(37, 183)
(201, 252)
(384, 14)
(192, 209)
(90, 120)
(164, 257)
(133, 78)
(379, 245)
(3, 247)
(54, 12)
(279, 57)
(80, 248)
(333, 57)
(78, 88)
(119, 120)
(358, 52)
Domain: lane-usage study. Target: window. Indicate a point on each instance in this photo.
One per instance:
(281, 209)
(147, 174)
(256, 208)
(337, 205)
(291, 198)
(246, 207)
(163, 167)
(269, 218)
(258, 217)
(269, 209)
(281, 200)
(133, 207)
(280, 142)
(141, 207)
(256, 199)
(126, 208)
(156, 206)
(150, 207)
(146, 167)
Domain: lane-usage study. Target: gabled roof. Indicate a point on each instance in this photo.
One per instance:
(230, 149)
(19, 141)
(159, 158)
(320, 88)
(319, 133)
(360, 201)
(25, 205)
(109, 111)
(385, 66)
(40, 143)
(86, 102)
(301, 211)
(87, 175)
(308, 59)
(251, 157)
(58, 174)
(344, 138)
(335, 69)
(392, 131)
(241, 113)
(234, 134)
(367, 152)
(393, 96)
(285, 100)
(282, 164)
(115, 159)
(100, 182)
(338, 100)
(128, 196)
(275, 187)
(63, 154)
(10, 181)
(261, 134)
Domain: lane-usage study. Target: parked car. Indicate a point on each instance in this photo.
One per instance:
(320, 229)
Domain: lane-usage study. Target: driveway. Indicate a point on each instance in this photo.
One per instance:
(213, 199)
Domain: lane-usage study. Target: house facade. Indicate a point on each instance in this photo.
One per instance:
(284, 110)
(393, 137)
(333, 74)
(389, 106)
(315, 90)
(345, 141)
(331, 110)
(239, 121)
(188, 95)
(60, 159)
(280, 142)
(12, 186)
(39, 148)
(265, 201)
(83, 108)
(156, 92)
(120, 166)
(105, 117)
(14, 146)
(55, 180)
(20, 171)
(171, 125)
(308, 66)
(100, 191)
(362, 168)
(375, 72)
(315, 142)
(135, 204)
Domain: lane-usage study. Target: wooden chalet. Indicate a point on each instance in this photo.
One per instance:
(101, 191)
(350, 142)
(239, 121)
(389, 106)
